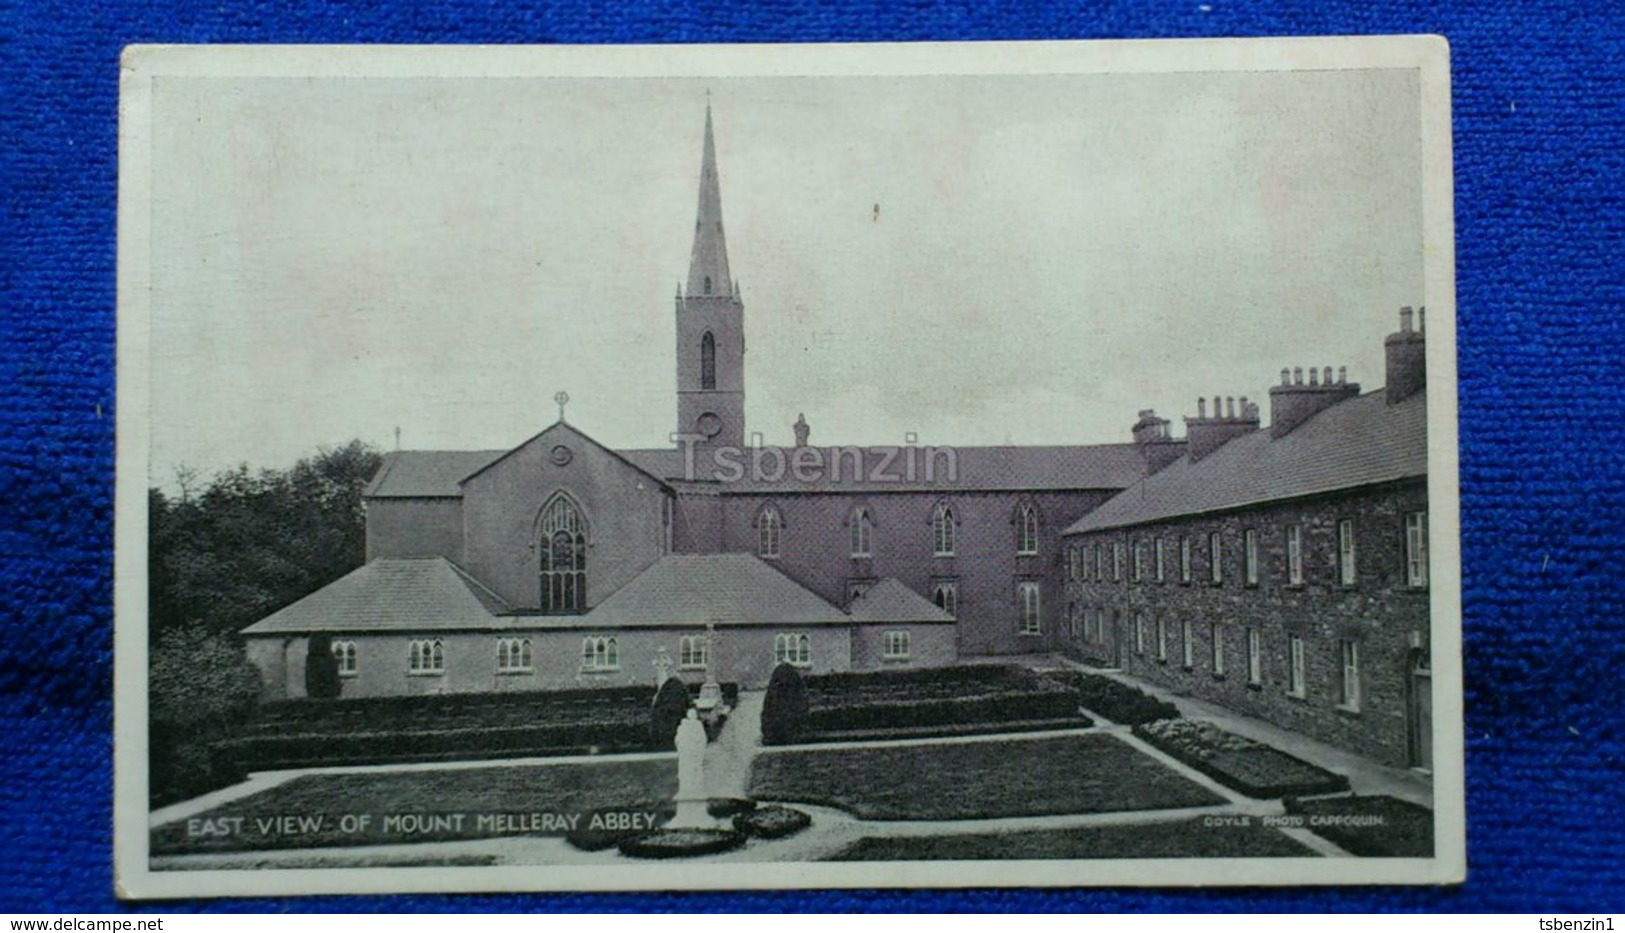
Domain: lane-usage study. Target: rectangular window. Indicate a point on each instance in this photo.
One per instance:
(1294, 555)
(1416, 548)
(1100, 574)
(896, 646)
(1187, 645)
(1249, 556)
(1216, 635)
(513, 656)
(1215, 558)
(1117, 561)
(793, 648)
(694, 652)
(1295, 672)
(1162, 639)
(1139, 560)
(1184, 559)
(1255, 658)
(426, 657)
(1157, 547)
(1027, 590)
(1349, 694)
(1345, 552)
(1139, 634)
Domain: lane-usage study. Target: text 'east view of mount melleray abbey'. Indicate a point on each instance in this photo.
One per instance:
(1201, 652)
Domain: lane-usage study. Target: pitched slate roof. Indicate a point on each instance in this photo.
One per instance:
(890, 601)
(420, 595)
(428, 473)
(1098, 466)
(724, 589)
(1354, 443)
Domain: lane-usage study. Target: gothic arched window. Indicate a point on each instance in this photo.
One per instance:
(708, 360)
(862, 533)
(1027, 542)
(562, 546)
(942, 531)
(767, 532)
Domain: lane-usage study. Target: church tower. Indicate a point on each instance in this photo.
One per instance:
(710, 325)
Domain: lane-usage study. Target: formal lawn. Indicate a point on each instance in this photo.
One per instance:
(1377, 827)
(1180, 839)
(977, 780)
(418, 806)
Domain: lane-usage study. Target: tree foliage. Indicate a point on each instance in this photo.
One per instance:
(224, 555)
(247, 544)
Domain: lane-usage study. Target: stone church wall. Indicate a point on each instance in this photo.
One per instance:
(815, 550)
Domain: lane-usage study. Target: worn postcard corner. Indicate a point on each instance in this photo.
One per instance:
(926, 465)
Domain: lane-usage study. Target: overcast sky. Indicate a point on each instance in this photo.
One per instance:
(1028, 260)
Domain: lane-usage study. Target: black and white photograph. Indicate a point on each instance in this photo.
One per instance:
(1015, 464)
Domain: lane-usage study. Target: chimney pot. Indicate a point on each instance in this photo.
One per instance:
(1286, 376)
(1342, 374)
(1230, 406)
(1201, 407)
(1297, 375)
(1421, 320)
(1405, 319)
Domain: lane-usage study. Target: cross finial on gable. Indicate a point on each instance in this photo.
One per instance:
(563, 399)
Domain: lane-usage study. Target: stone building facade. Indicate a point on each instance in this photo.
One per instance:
(1281, 572)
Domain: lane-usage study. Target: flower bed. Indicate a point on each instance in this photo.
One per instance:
(589, 839)
(1114, 699)
(772, 822)
(1241, 764)
(1375, 827)
(681, 843)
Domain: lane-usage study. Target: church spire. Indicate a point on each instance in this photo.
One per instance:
(708, 263)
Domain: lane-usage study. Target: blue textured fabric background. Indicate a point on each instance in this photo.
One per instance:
(1540, 170)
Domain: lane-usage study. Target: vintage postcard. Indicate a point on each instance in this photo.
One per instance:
(826, 466)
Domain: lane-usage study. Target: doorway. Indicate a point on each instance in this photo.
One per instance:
(1419, 710)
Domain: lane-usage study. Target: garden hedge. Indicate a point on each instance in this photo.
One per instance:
(784, 707)
(670, 707)
(1115, 700)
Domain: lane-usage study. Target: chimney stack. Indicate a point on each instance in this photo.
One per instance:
(1293, 401)
(802, 429)
(1156, 443)
(1407, 357)
(1204, 435)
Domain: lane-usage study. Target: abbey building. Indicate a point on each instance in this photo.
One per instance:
(562, 563)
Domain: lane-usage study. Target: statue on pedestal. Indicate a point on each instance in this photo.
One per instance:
(691, 792)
